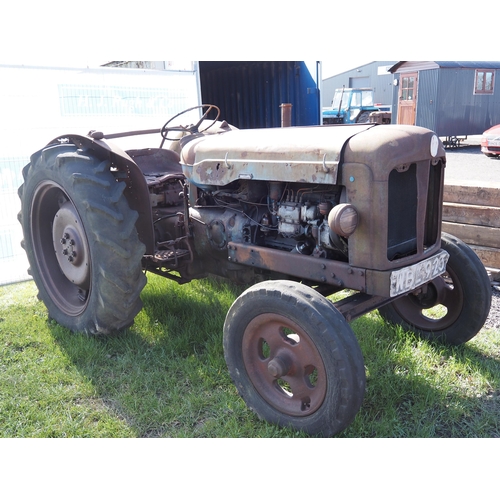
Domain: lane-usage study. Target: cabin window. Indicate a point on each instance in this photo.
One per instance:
(484, 82)
(408, 88)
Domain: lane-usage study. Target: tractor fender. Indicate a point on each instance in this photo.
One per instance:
(136, 192)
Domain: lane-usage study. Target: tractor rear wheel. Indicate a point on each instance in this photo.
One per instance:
(81, 242)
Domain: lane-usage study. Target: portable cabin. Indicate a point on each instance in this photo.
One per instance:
(453, 98)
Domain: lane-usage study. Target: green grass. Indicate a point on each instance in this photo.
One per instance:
(166, 376)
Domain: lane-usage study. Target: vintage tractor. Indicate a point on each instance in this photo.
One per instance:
(296, 213)
(350, 106)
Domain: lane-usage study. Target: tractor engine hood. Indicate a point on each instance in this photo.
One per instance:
(289, 154)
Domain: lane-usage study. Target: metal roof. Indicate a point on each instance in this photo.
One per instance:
(453, 64)
(469, 64)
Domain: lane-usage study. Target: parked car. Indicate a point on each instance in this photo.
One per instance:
(490, 142)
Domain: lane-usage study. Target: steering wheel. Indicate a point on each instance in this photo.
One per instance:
(192, 129)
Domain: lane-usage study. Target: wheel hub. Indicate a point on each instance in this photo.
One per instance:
(278, 367)
(427, 298)
(70, 245)
(284, 365)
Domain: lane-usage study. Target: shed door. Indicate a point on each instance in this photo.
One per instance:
(407, 99)
(359, 82)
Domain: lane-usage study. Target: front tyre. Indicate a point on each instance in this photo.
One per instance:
(80, 239)
(455, 305)
(294, 358)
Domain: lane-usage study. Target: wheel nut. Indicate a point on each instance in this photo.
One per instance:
(277, 367)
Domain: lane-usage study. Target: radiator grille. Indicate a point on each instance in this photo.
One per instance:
(402, 216)
(412, 191)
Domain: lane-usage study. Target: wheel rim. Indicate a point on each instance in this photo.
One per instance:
(284, 365)
(60, 248)
(443, 291)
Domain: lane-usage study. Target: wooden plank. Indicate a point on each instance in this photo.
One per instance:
(474, 235)
(471, 214)
(472, 195)
(494, 275)
(490, 257)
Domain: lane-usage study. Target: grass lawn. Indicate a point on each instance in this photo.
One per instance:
(166, 375)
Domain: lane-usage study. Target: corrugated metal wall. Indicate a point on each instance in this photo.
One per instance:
(460, 112)
(446, 102)
(249, 94)
(371, 77)
(427, 102)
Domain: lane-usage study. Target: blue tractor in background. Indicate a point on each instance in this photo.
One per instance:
(350, 106)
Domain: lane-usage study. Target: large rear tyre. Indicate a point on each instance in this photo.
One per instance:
(294, 358)
(455, 305)
(80, 239)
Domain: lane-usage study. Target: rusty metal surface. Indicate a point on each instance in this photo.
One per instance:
(289, 154)
(321, 271)
(389, 146)
(379, 282)
(286, 115)
(137, 193)
(292, 359)
(357, 305)
(368, 161)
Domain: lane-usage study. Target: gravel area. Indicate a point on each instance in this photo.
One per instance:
(493, 320)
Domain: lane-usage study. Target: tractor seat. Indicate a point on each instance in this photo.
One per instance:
(156, 162)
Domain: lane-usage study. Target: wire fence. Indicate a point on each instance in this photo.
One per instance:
(38, 104)
(13, 262)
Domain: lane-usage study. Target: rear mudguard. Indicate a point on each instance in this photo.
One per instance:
(137, 193)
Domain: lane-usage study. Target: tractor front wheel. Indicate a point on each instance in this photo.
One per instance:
(294, 358)
(454, 306)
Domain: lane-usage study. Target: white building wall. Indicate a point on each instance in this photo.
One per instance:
(38, 104)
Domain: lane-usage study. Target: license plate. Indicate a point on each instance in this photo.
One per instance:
(494, 143)
(411, 277)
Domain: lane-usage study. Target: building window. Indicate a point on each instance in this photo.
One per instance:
(484, 82)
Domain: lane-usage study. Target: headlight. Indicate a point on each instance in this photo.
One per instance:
(343, 219)
(434, 145)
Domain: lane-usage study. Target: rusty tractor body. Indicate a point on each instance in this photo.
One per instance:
(295, 213)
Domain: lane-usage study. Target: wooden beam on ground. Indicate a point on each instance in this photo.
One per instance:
(472, 195)
(471, 214)
(490, 257)
(474, 235)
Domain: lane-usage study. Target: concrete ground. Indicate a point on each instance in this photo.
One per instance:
(466, 165)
